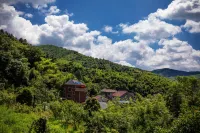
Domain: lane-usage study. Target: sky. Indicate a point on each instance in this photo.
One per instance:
(147, 34)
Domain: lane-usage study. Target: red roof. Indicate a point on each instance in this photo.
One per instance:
(98, 97)
(119, 93)
(108, 90)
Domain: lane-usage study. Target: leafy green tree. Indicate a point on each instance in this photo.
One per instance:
(39, 126)
(187, 123)
(175, 99)
(56, 108)
(7, 98)
(73, 113)
(25, 97)
(91, 105)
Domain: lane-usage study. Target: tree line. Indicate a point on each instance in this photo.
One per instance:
(31, 80)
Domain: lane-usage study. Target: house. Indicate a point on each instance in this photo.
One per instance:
(123, 95)
(108, 93)
(75, 90)
(101, 98)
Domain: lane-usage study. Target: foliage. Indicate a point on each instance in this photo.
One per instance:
(25, 97)
(34, 76)
(39, 126)
(91, 105)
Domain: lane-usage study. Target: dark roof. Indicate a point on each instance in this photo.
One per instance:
(108, 90)
(119, 93)
(74, 82)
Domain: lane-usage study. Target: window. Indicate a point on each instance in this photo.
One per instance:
(69, 89)
(69, 96)
(73, 93)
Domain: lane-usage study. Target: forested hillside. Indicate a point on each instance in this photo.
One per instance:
(105, 74)
(31, 80)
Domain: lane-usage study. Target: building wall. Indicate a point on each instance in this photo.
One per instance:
(71, 94)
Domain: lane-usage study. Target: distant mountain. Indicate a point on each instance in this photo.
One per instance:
(173, 73)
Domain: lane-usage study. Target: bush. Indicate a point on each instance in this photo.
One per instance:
(25, 97)
(7, 98)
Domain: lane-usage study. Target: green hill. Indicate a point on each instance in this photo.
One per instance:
(106, 74)
(31, 87)
(55, 52)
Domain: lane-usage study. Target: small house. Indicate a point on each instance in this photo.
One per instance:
(108, 93)
(123, 95)
(75, 90)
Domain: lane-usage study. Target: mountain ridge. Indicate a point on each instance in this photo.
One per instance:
(167, 72)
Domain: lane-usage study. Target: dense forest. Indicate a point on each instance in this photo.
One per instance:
(31, 80)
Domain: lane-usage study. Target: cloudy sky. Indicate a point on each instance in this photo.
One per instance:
(148, 34)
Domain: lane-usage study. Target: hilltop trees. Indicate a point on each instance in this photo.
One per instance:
(31, 80)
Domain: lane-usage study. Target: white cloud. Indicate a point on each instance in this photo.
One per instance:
(61, 31)
(188, 10)
(57, 30)
(35, 3)
(109, 29)
(17, 25)
(180, 9)
(126, 50)
(27, 5)
(69, 14)
(53, 10)
(174, 54)
(28, 15)
(151, 30)
(192, 26)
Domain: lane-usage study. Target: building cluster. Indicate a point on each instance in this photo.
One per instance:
(110, 94)
(77, 91)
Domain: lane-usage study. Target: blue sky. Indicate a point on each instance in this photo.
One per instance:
(149, 34)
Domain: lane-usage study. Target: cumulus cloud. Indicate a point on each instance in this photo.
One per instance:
(109, 29)
(35, 3)
(175, 54)
(180, 9)
(52, 10)
(151, 30)
(121, 51)
(28, 15)
(57, 29)
(188, 10)
(20, 27)
(61, 31)
(192, 26)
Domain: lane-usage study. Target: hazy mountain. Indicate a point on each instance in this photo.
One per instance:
(172, 73)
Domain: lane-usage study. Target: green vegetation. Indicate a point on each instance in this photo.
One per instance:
(31, 80)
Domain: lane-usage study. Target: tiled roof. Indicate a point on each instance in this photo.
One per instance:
(108, 90)
(119, 93)
(74, 82)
